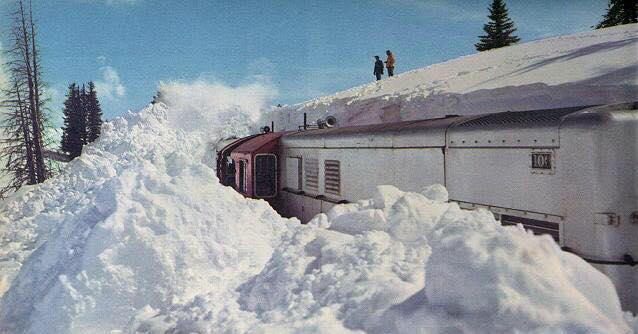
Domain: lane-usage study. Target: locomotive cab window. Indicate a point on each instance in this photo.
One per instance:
(265, 175)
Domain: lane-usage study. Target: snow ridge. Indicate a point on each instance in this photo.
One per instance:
(595, 67)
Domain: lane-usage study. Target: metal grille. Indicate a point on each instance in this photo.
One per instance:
(333, 177)
(311, 171)
(535, 116)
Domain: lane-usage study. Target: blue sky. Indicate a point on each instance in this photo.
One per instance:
(303, 48)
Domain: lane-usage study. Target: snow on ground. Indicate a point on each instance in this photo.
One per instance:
(594, 67)
(137, 235)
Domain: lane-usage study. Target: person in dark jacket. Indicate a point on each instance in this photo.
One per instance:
(378, 68)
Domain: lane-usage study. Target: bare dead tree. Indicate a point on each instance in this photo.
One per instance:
(23, 146)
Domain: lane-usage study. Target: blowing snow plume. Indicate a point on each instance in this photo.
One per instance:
(213, 107)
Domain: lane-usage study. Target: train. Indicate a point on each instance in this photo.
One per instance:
(571, 173)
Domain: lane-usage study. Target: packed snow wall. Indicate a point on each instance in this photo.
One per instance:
(137, 235)
(591, 68)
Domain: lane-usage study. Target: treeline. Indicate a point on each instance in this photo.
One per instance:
(23, 140)
(619, 12)
(499, 31)
(82, 118)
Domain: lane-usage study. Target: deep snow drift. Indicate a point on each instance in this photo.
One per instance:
(137, 235)
(595, 67)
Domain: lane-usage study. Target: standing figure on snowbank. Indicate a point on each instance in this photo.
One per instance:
(389, 63)
(378, 68)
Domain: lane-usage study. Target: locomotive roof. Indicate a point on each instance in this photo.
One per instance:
(254, 144)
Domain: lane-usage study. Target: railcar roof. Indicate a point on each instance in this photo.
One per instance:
(380, 128)
(254, 144)
(507, 119)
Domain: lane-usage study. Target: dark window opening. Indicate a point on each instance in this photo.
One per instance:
(265, 175)
(299, 174)
(242, 176)
(230, 173)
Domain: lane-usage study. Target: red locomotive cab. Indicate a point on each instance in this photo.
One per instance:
(226, 168)
(256, 165)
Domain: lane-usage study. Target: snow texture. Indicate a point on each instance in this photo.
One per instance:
(596, 67)
(138, 236)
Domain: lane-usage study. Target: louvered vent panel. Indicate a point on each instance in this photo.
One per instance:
(311, 171)
(333, 177)
(535, 116)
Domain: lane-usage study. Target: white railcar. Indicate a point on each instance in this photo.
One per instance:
(571, 173)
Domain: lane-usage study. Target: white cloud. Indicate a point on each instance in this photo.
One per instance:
(101, 60)
(110, 87)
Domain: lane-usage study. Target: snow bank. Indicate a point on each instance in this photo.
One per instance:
(138, 235)
(139, 219)
(595, 67)
(407, 263)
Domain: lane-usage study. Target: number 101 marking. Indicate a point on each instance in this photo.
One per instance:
(541, 160)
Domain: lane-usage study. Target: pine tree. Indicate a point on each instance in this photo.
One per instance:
(72, 133)
(499, 30)
(23, 145)
(619, 12)
(94, 117)
(83, 107)
(82, 118)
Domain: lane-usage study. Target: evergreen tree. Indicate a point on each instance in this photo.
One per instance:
(72, 133)
(83, 108)
(94, 118)
(499, 30)
(619, 12)
(82, 119)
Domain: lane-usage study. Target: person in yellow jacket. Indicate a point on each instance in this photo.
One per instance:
(389, 63)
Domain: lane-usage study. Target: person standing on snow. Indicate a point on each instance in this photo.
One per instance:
(378, 68)
(389, 63)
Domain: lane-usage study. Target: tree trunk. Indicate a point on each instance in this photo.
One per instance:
(27, 139)
(33, 115)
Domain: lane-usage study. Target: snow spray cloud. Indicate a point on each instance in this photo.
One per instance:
(215, 108)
